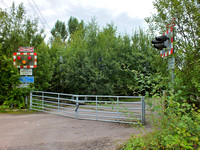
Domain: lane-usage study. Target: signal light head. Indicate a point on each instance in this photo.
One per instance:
(162, 38)
(29, 57)
(161, 42)
(19, 57)
(24, 62)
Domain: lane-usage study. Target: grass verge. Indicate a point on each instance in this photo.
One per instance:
(16, 111)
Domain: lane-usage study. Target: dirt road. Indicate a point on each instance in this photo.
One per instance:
(42, 131)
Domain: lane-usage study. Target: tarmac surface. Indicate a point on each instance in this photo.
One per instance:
(42, 131)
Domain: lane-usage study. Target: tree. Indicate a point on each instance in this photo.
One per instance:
(74, 25)
(9, 78)
(56, 53)
(17, 30)
(60, 31)
(101, 62)
(44, 71)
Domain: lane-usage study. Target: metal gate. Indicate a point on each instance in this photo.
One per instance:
(123, 109)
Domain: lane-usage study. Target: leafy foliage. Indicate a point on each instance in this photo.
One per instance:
(86, 59)
(60, 31)
(43, 73)
(187, 42)
(8, 78)
(98, 61)
(16, 30)
(90, 61)
(74, 25)
(10, 94)
(175, 117)
(174, 127)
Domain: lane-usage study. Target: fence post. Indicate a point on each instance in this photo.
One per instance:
(96, 108)
(85, 98)
(77, 105)
(58, 101)
(42, 100)
(143, 111)
(117, 108)
(31, 100)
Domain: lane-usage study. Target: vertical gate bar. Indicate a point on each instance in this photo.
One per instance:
(26, 101)
(96, 109)
(31, 100)
(77, 107)
(58, 101)
(42, 100)
(143, 111)
(117, 108)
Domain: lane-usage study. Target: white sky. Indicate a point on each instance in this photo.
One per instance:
(125, 14)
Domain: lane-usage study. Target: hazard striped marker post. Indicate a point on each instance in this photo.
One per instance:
(164, 43)
(26, 60)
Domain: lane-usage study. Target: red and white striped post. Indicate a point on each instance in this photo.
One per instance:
(169, 51)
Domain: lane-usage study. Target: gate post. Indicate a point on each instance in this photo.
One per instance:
(58, 101)
(117, 108)
(31, 100)
(77, 105)
(42, 100)
(96, 108)
(143, 111)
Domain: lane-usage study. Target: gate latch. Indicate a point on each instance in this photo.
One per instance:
(77, 106)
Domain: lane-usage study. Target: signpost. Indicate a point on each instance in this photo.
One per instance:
(27, 79)
(26, 49)
(26, 72)
(26, 60)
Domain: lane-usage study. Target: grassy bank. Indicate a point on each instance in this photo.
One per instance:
(16, 111)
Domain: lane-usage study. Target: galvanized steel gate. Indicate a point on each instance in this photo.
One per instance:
(123, 109)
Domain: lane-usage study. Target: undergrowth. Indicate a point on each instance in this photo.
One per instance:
(176, 126)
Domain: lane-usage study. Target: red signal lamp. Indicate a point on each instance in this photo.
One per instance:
(25, 60)
(29, 57)
(19, 57)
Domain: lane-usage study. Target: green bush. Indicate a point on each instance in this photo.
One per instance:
(175, 127)
(16, 30)
(8, 79)
(10, 94)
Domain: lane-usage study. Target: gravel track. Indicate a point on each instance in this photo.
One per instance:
(42, 131)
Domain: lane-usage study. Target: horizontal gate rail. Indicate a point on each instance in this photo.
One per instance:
(123, 109)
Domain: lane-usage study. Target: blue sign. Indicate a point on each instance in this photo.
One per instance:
(29, 79)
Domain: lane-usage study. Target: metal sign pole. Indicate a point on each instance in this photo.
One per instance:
(171, 61)
(171, 66)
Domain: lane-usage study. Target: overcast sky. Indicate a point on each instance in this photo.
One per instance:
(125, 14)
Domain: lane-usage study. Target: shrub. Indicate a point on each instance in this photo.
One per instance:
(10, 94)
(175, 127)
